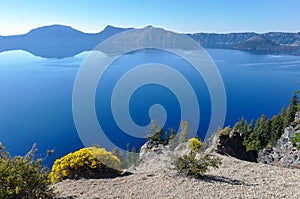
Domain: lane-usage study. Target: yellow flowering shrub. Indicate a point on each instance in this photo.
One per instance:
(91, 162)
(195, 144)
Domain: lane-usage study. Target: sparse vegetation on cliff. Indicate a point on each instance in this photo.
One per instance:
(264, 132)
(296, 140)
(194, 163)
(23, 177)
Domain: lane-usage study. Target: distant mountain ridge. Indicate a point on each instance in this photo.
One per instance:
(58, 41)
(267, 43)
(262, 45)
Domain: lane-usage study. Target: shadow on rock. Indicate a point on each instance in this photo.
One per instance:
(221, 179)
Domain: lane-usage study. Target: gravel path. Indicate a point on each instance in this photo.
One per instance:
(234, 179)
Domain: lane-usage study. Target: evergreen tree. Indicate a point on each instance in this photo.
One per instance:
(115, 151)
(282, 111)
(128, 156)
(172, 141)
(248, 132)
(123, 160)
(250, 127)
(277, 128)
(134, 156)
(260, 135)
(156, 133)
(154, 128)
(183, 134)
(266, 132)
(241, 126)
(291, 111)
(120, 155)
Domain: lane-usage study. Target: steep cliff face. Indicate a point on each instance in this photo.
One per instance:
(288, 39)
(284, 153)
(268, 43)
(212, 40)
(232, 144)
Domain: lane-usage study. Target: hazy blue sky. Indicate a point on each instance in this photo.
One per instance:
(19, 16)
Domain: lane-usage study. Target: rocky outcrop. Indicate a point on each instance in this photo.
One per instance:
(232, 144)
(284, 153)
(160, 156)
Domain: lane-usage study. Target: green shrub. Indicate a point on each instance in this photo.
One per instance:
(296, 140)
(92, 162)
(189, 165)
(23, 177)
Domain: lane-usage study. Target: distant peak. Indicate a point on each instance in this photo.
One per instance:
(55, 27)
(150, 27)
(257, 38)
(110, 27)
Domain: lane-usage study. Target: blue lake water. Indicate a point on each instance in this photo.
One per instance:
(36, 94)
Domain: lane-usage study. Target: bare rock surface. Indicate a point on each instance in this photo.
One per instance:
(234, 179)
(284, 153)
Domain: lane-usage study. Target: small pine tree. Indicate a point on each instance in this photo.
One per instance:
(120, 155)
(250, 129)
(277, 128)
(262, 131)
(241, 126)
(128, 156)
(134, 156)
(123, 160)
(183, 134)
(291, 111)
(154, 128)
(156, 132)
(115, 151)
(172, 141)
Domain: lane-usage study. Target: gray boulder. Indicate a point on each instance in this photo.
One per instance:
(158, 157)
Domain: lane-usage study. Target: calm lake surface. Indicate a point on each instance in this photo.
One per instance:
(36, 94)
